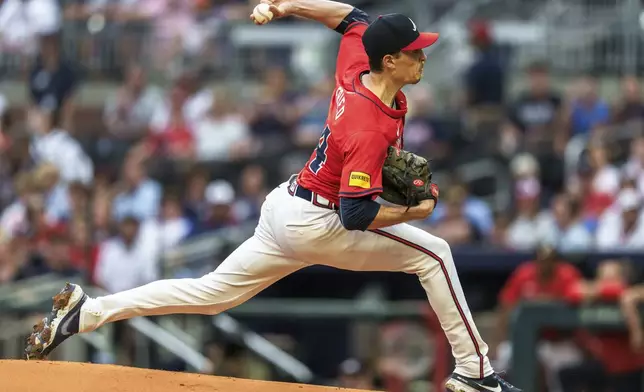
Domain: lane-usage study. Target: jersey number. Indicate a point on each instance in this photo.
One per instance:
(320, 152)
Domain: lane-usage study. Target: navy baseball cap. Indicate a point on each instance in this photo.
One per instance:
(393, 33)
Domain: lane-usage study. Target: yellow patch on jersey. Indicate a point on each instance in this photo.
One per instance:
(360, 179)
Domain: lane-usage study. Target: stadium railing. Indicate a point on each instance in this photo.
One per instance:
(530, 318)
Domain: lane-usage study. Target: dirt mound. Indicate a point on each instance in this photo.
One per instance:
(57, 376)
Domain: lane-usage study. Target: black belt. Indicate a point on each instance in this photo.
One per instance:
(294, 189)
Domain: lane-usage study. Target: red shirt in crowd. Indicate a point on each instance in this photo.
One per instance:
(174, 140)
(611, 348)
(525, 285)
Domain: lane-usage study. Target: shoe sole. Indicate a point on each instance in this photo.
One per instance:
(453, 385)
(45, 337)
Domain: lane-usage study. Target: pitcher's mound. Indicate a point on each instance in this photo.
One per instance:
(45, 376)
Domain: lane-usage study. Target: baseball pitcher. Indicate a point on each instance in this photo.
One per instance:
(327, 214)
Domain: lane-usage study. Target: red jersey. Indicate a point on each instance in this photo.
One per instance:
(524, 284)
(348, 160)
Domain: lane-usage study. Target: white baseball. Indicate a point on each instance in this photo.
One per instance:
(262, 13)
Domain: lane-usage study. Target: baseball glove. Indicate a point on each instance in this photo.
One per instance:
(406, 178)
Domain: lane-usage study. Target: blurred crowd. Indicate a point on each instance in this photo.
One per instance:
(159, 163)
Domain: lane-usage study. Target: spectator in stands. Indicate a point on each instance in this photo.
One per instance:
(175, 30)
(564, 230)
(615, 361)
(630, 302)
(426, 133)
(274, 113)
(194, 203)
(171, 133)
(548, 278)
(83, 250)
(140, 195)
(200, 95)
(253, 191)
(535, 116)
(53, 81)
(588, 112)
(529, 220)
(630, 107)
(78, 196)
(13, 219)
(313, 108)
(123, 263)
(634, 167)
(14, 159)
(128, 111)
(102, 217)
(171, 227)
(594, 185)
(55, 145)
(55, 192)
(500, 230)
(222, 134)
(475, 210)
(454, 225)
(220, 196)
(54, 257)
(622, 229)
(606, 179)
(23, 21)
(485, 80)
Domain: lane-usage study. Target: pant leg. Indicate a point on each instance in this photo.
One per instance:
(255, 265)
(401, 248)
(430, 258)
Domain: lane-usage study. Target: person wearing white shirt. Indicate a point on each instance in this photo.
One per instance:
(221, 132)
(168, 230)
(56, 146)
(607, 177)
(124, 262)
(622, 229)
(21, 21)
(521, 234)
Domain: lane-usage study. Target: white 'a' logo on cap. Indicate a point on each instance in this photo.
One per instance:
(412, 23)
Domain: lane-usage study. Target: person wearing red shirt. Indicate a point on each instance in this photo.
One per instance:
(616, 360)
(545, 279)
(326, 214)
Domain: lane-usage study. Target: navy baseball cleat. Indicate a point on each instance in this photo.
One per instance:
(491, 383)
(62, 322)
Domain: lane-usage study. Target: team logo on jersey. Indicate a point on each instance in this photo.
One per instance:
(360, 179)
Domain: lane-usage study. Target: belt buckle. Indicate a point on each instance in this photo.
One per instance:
(322, 201)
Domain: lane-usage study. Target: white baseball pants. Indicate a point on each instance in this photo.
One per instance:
(292, 234)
